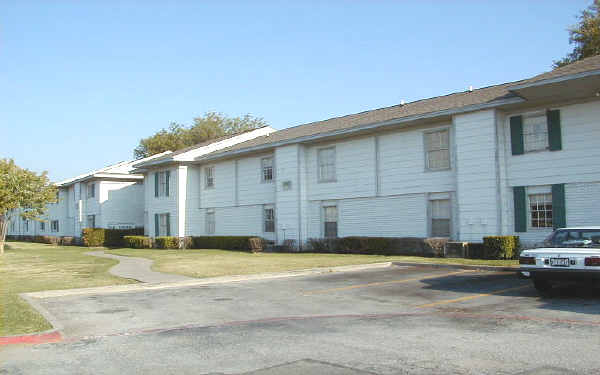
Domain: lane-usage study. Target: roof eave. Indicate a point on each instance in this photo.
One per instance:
(549, 81)
(395, 122)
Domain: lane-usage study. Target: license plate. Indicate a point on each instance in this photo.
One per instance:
(559, 262)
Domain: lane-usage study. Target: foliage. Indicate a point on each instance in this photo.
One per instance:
(379, 245)
(137, 242)
(93, 237)
(23, 190)
(585, 36)
(209, 126)
(166, 242)
(475, 250)
(501, 247)
(222, 242)
(114, 237)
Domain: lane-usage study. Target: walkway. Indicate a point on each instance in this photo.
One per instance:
(138, 269)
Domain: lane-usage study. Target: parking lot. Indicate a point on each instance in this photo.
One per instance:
(394, 320)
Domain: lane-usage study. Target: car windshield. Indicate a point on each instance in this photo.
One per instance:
(576, 237)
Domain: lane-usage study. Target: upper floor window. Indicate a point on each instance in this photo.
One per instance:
(161, 183)
(91, 190)
(326, 164)
(540, 210)
(330, 221)
(269, 219)
(210, 222)
(267, 169)
(437, 149)
(209, 177)
(535, 133)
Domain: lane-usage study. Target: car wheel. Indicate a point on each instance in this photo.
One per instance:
(544, 287)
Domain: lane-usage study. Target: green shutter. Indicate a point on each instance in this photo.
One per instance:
(168, 224)
(516, 135)
(156, 184)
(520, 203)
(156, 226)
(167, 176)
(554, 135)
(559, 212)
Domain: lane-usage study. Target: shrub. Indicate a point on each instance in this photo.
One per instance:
(475, 250)
(434, 246)
(93, 236)
(68, 241)
(222, 242)
(165, 242)
(114, 237)
(501, 247)
(376, 245)
(137, 242)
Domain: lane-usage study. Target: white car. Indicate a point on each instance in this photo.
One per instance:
(570, 254)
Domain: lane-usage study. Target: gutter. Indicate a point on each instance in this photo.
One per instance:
(383, 124)
(549, 81)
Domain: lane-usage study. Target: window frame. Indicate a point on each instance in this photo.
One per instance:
(54, 228)
(524, 124)
(263, 169)
(209, 177)
(210, 226)
(93, 217)
(163, 222)
(266, 221)
(426, 149)
(324, 220)
(430, 204)
(320, 177)
(537, 191)
(92, 190)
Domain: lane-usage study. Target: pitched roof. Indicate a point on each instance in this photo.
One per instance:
(454, 101)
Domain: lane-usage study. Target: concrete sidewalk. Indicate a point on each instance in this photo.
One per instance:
(138, 269)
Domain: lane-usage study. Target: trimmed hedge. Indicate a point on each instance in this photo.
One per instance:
(93, 237)
(501, 247)
(137, 242)
(108, 237)
(380, 245)
(475, 250)
(222, 242)
(166, 242)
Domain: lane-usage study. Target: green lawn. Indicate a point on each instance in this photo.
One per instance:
(209, 263)
(31, 267)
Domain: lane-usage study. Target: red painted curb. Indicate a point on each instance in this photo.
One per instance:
(42, 338)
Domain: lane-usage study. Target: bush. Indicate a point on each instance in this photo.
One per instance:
(434, 246)
(222, 242)
(114, 237)
(93, 237)
(69, 241)
(137, 242)
(475, 250)
(165, 242)
(379, 245)
(501, 247)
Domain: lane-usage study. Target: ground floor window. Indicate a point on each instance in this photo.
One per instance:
(91, 221)
(163, 224)
(269, 219)
(54, 225)
(540, 210)
(440, 217)
(330, 221)
(210, 222)
(25, 225)
(42, 226)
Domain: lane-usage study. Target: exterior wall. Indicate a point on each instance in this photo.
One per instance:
(160, 205)
(117, 204)
(575, 165)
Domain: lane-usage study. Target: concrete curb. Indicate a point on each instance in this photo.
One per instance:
(460, 266)
(199, 282)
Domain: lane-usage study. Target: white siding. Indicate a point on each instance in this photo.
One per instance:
(119, 203)
(159, 205)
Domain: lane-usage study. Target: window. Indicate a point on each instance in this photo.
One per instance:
(163, 225)
(330, 221)
(269, 219)
(91, 190)
(209, 175)
(91, 221)
(161, 183)
(535, 133)
(42, 226)
(540, 210)
(12, 225)
(54, 225)
(210, 222)
(440, 217)
(25, 225)
(326, 167)
(438, 151)
(267, 169)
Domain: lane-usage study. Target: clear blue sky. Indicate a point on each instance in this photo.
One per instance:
(82, 81)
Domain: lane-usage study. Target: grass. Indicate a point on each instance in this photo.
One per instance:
(209, 263)
(31, 267)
